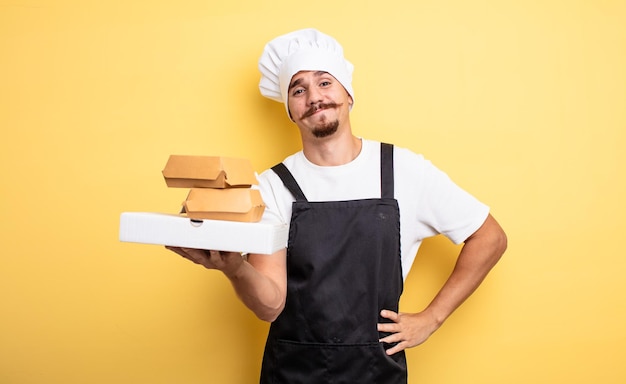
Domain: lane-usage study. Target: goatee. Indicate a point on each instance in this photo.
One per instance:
(326, 129)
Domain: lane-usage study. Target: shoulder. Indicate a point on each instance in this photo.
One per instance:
(409, 161)
(269, 176)
(403, 153)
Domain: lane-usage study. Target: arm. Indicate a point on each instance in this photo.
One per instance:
(260, 281)
(479, 254)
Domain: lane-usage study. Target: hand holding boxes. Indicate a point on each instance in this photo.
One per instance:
(221, 212)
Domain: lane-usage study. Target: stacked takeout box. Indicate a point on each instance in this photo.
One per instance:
(222, 210)
(220, 187)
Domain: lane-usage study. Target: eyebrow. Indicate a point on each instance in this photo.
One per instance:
(298, 81)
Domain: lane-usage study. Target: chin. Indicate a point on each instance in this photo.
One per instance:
(326, 130)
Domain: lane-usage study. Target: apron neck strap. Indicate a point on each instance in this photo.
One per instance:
(386, 171)
(292, 185)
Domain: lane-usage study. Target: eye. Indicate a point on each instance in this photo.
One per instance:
(298, 91)
(325, 83)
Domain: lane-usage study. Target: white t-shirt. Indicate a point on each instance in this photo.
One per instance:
(430, 203)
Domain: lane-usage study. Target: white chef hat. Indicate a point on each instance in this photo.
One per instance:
(302, 50)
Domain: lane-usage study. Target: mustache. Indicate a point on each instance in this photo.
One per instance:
(317, 107)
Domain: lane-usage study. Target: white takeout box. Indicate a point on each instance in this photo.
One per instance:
(222, 235)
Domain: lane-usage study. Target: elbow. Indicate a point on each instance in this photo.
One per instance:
(500, 244)
(492, 238)
(501, 240)
(270, 314)
(504, 242)
(272, 308)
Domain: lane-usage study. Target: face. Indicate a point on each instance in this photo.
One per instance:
(318, 103)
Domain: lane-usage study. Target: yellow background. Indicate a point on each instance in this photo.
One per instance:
(523, 103)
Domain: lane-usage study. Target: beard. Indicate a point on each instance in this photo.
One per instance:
(325, 129)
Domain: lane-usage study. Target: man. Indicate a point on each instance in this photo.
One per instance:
(358, 211)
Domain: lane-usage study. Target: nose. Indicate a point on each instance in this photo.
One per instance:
(314, 96)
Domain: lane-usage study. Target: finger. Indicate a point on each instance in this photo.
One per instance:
(388, 327)
(198, 253)
(226, 254)
(198, 256)
(396, 348)
(391, 315)
(192, 250)
(220, 255)
(390, 339)
(179, 251)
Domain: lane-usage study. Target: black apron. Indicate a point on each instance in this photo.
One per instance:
(343, 268)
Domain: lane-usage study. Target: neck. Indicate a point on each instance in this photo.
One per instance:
(338, 149)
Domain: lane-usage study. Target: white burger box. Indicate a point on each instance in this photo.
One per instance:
(181, 231)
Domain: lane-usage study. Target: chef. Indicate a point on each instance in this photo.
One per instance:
(357, 211)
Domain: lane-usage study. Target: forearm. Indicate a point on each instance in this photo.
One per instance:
(260, 282)
(260, 286)
(478, 256)
(257, 292)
